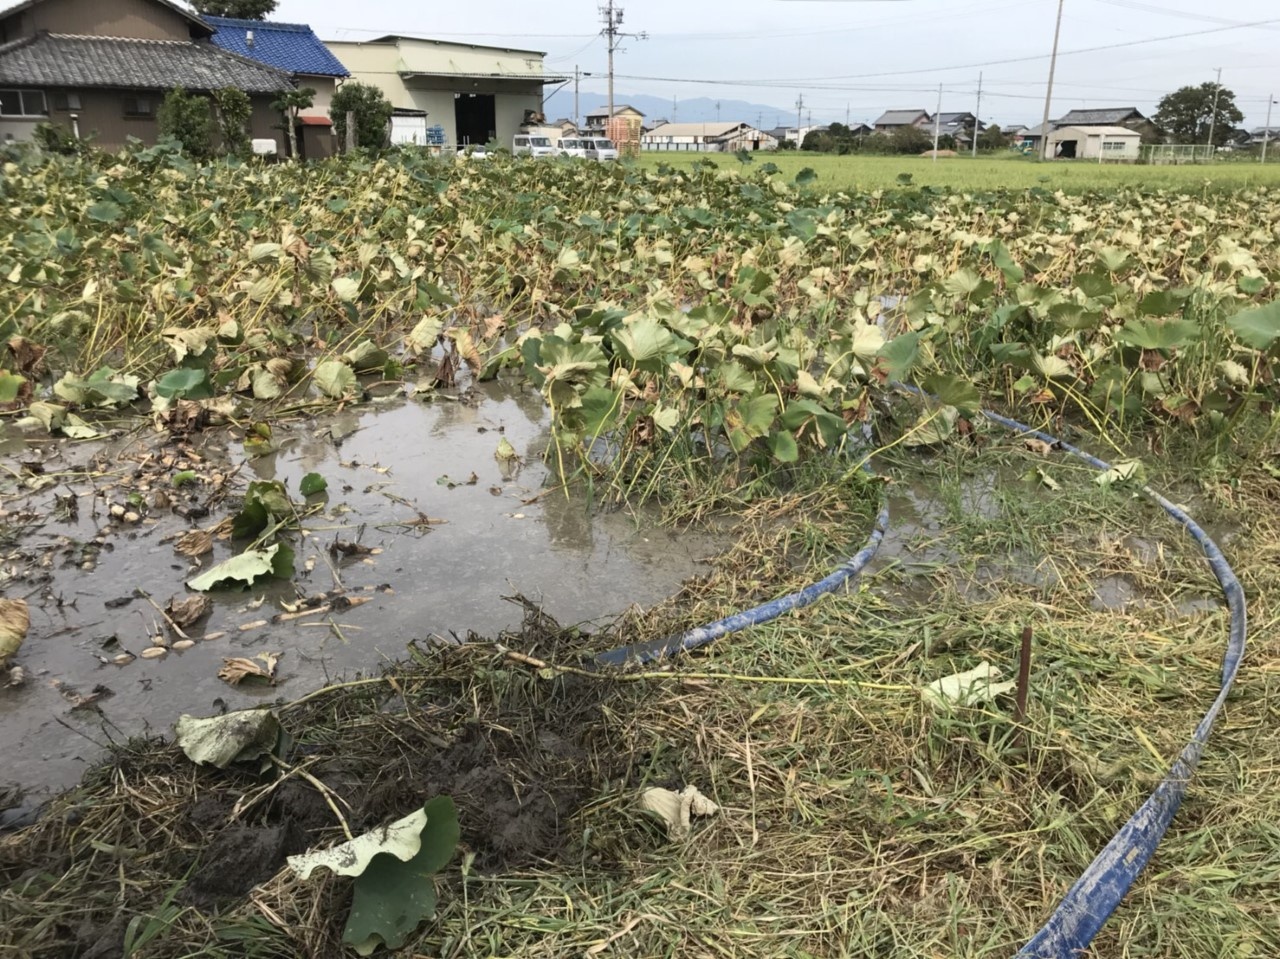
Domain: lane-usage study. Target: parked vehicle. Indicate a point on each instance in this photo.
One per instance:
(600, 148)
(473, 152)
(532, 144)
(571, 147)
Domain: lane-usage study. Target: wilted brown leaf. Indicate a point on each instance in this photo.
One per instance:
(186, 611)
(494, 325)
(1039, 447)
(238, 669)
(195, 543)
(28, 357)
(15, 620)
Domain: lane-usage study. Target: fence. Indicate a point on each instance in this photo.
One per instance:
(1176, 154)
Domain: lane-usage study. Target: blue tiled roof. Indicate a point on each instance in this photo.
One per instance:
(291, 47)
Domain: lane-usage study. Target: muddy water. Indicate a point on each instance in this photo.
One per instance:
(385, 466)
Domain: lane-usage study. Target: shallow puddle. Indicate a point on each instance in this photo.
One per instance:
(495, 532)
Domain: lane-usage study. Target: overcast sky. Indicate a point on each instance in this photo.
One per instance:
(864, 56)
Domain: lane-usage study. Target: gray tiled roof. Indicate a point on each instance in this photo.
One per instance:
(900, 117)
(1107, 117)
(60, 60)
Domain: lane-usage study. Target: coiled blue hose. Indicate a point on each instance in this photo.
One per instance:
(1095, 895)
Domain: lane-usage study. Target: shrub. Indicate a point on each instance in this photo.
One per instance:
(234, 111)
(186, 117)
(372, 113)
(55, 138)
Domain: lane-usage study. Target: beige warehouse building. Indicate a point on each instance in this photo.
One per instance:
(1105, 144)
(474, 93)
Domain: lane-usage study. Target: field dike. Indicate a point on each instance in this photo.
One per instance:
(855, 817)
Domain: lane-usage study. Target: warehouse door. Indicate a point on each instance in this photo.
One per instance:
(476, 117)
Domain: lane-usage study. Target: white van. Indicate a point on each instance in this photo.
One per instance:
(532, 145)
(571, 147)
(600, 148)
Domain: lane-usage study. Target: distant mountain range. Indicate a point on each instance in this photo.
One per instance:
(697, 110)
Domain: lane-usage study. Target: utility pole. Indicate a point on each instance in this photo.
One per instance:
(1213, 117)
(799, 119)
(675, 108)
(1266, 131)
(937, 124)
(977, 118)
(577, 114)
(1048, 93)
(846, 115)
(612, 33)
(717, 111)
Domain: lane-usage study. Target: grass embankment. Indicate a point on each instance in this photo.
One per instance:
(853, 173)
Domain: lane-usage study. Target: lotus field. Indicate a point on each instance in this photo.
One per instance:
(702, 312)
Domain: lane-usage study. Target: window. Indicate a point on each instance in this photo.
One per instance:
(139, 107)
(1114, 145)
(22, 103)
(66, 101)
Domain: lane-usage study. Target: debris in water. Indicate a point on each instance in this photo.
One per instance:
(15, 620)
(261, 667)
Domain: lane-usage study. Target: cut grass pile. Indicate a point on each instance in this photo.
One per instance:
(862, 173)
(857, 820)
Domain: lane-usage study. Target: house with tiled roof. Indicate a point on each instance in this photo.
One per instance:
(1105, 116)
(295, 49)
(102, 67)
(960, 127)
(892, 120)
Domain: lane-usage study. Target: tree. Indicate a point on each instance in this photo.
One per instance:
(234, 111)
(909, 139)
(240, 9)
(372, 113)
(1186, 114)
(185, 117)
(291, 103)
(993, 138)
(817, 141)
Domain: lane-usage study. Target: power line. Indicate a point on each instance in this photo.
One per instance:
(785, 81)
(1172, 12)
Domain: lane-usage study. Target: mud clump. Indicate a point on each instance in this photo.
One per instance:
(519, 753)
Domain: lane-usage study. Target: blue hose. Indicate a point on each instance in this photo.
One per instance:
(1096, 894)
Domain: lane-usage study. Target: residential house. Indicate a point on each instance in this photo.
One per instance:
(958, 126)
(707, 138)
(295, 49)
(566, 127)
(595, 124)
(470, 94)
(892, 120)
(795, 134)
(1101, 143)
(101, 67)
(1261, 134)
